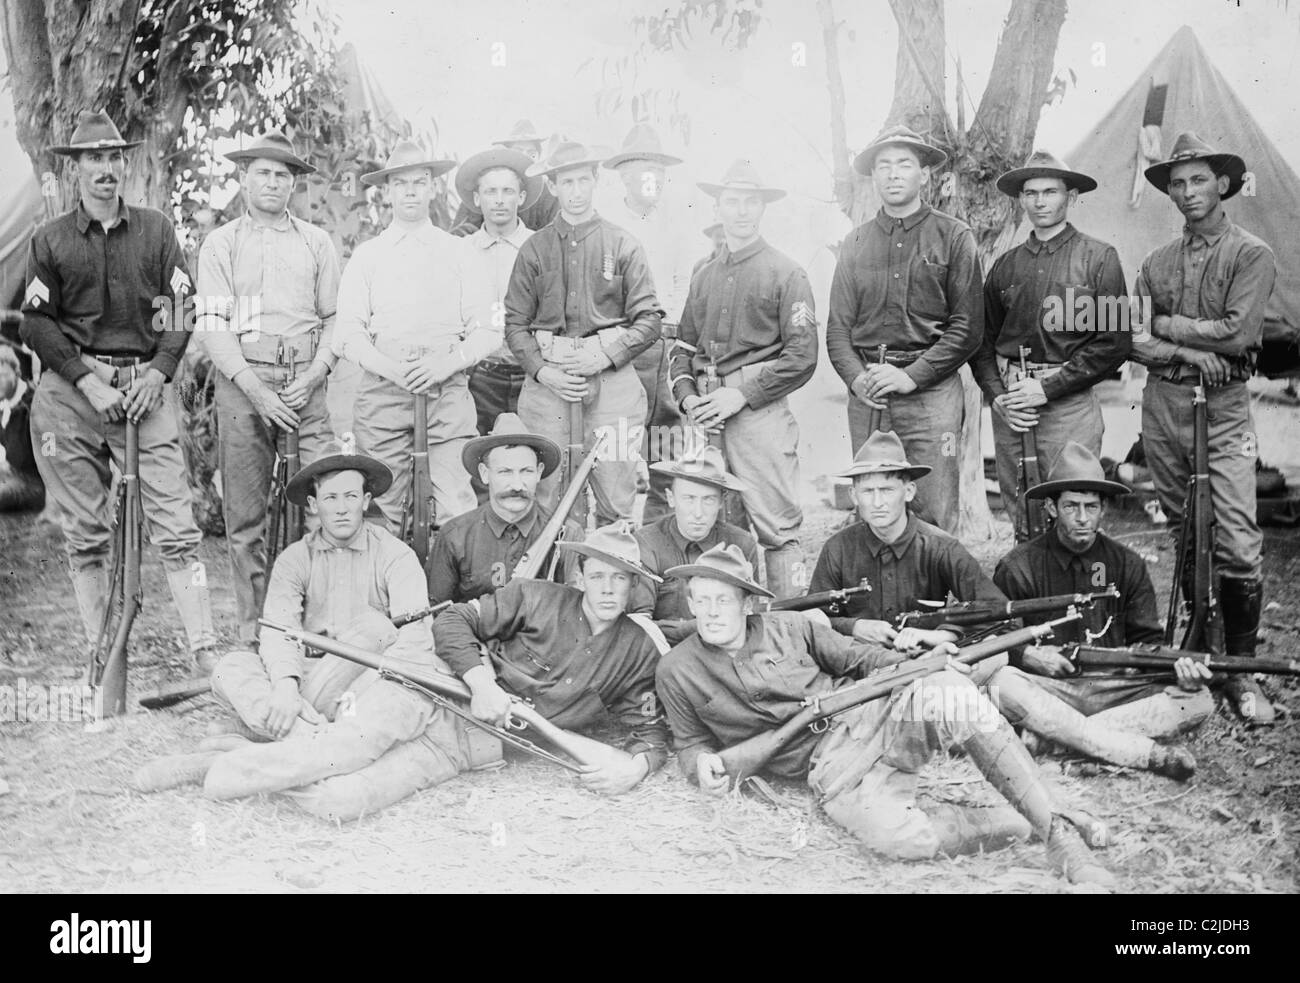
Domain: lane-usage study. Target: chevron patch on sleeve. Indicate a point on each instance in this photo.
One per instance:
(37, 292)
(801, 315)
(180, 281)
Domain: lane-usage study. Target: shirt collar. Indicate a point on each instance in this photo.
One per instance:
(499, 525)
(684, 544)
(887, 222)
(898, 547)
(1210, 235)
(282, 224)
(84, 219)
(360, 543)
(424, 232)
(1036, 245)
(740, 255)
(578, 232)
(485, 240)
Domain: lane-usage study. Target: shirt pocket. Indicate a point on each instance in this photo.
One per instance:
(927, 292)
(761, 324)
(607, 298)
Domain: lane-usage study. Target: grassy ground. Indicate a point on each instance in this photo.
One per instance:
(71, 825)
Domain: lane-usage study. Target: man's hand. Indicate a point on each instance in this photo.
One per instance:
(266, 403)
(712, 774)
(1160, 326)
(883, 380)
(488, 701)
(1192, 675)
(861, 386)
(569, 387)
(145, 394)
(1047, 660)
(1216, 369)
(916, 639)
(880, 632)
(617, 774)
(283, 711)
(713, 410)
(422, 374)
(106, 399)
(689, 406)
(1018, 418)
(587, 362)
(296, 393)
(1026, 394)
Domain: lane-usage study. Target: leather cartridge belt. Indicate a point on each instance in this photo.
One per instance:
(432, 345)
(269, 349)
(549, 341)
(1189, 375)
(735, 379)
(122, 364)
(871, 356)
(1009, 369)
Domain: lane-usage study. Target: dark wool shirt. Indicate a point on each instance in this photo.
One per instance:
(92, 290)
(477, 552)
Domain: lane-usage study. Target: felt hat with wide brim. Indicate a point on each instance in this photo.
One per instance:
(509, 430)
(1076, 469)
(272, 145)
(615, 545)
(95, 131)
(378, 478)
(741, 176)
(522, 132)
(898, 136)
(406, 156)
(1043, 163)
(723, 562)
(882, 453)
(642, 143)
(705, 466)
(473, 168)
(1189, 147)
(564, 156)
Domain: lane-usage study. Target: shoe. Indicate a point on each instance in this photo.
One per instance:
(172, 771)
(1172, 762)
(1249, 700)
(1071, 858)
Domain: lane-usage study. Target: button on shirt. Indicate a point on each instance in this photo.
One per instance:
(548, 654)
(715, 699)
(1043, 567)
(475, 553)
(92, 289)
(910, 283)
(412, 288)
(924, 563)
(575, 281)
(289, 266)
(1215, 285)
(1033, 280)
(755, 305)
(323, 588)
(497, 255)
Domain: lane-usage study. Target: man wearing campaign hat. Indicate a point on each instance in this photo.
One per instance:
(495, 181)
(1207, 290)
(1061, 294)
(409, 314)
(268, 282)
(537, 209)
(750, 318)
(477, 552)
(580, 307)
(1112, 716)
(744, 673)
(904, 558)
(697, 483)
(104, 282)
(909, 279)
(573, 652)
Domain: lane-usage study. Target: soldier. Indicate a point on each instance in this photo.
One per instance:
(538, 210)
(1110, 716)
(269, 282)
(749, 317)
(1207, 290)
(661, 228)
(495, 182)
(476, 553)
(699, 480)
(908, 279)
(407, 315)
(581, 306)
(103, 283)
(745, 673)
(1030, 299)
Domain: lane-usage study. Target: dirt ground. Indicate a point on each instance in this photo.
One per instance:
(70, 824)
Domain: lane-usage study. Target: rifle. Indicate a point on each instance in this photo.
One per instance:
(1162, 658)
(530, 564)
(876, 417)
(416, 518)
(284, 519)
(987, 612)
(750, 756)
(108, 658)
(1205, 619)
(451, 694)
(1029, 515)
(172, 693)
(833, 602)
(733, 507)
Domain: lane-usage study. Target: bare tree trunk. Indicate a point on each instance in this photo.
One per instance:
(846, 179)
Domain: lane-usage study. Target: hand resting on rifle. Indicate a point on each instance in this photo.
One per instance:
(586, 362)
(1047, 660)
(861, 386)
(296, 393)
(266, 404)
(916, 639)
(880, 632)
(568, 386)
(488, 700)
(713, 410)
(1018, 418)
(1026, 394)
(1192, 675)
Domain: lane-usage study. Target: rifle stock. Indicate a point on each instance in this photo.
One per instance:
(876, 417)
(421, 487)
(1030, 519)
(108, 666)
(988, 612)
(752, 755)
(1205, 622)
(530, 564)
(1163, 657)
(833, 601)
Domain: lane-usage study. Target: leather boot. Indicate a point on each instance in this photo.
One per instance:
(173, 770)
(964, 830)
(780, 564)
(195, 607)
(1242, 599)
(90, 584)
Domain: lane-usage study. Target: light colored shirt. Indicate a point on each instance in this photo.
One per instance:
(668, 236)
(280, 280)
(412, 288)
(323, 588)
(497, 255)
